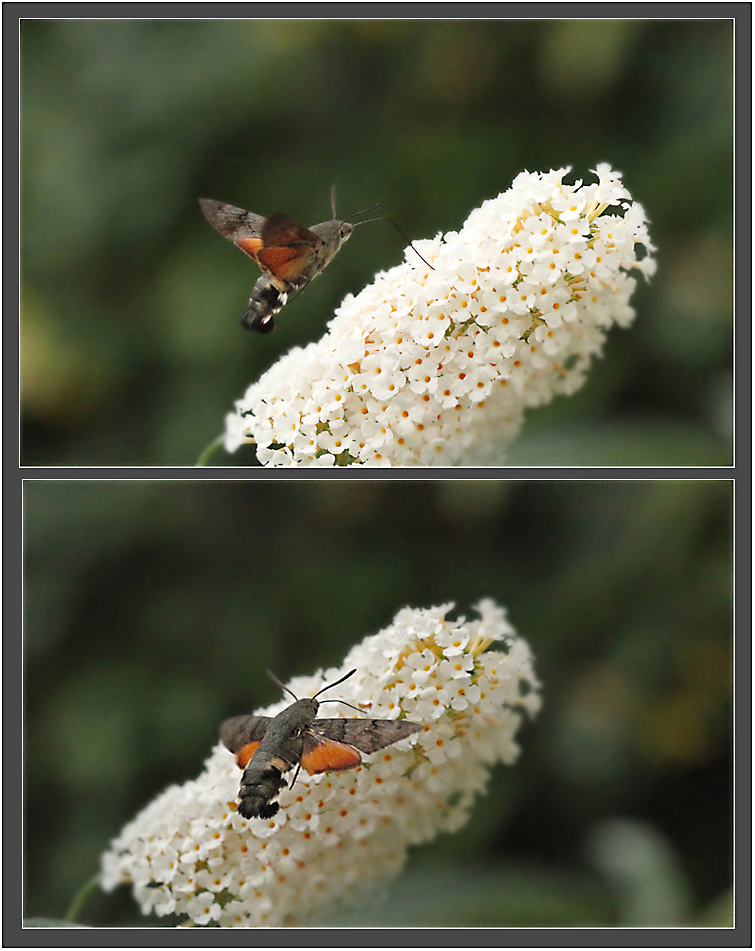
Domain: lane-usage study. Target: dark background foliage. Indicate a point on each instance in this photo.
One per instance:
(131, 348)
(154, 608)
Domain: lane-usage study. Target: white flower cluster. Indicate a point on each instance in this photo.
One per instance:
(340, 836)
(437, 367)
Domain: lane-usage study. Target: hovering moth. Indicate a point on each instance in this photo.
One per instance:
(268, 747)
(289, 254)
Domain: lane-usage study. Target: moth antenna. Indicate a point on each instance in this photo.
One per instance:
(365, 212)
(336, 683)
(275, 680)
(344, 702)
(400, 231)
(333, 201)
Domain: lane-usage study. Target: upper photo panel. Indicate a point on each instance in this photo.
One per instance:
(544, 277)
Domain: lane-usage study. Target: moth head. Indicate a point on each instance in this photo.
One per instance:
(309, 705)
(345, 228)
(305, 709)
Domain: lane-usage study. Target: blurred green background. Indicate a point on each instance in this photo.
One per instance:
(154, 608)
(132, 351)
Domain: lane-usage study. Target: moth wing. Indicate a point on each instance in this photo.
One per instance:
(285, 264)
(240, 731)
(233, 223)
(283, 231)
(322, 755)
(366, 735)
(288, 248)
(246, 753)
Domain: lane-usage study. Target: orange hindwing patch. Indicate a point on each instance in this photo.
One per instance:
(250, 246)
(330, 755)
(285, 263)
(246, 753)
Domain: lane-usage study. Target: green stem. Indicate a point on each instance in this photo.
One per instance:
(80, 898)
(209, 452)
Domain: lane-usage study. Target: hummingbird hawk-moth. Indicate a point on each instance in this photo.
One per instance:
(268, 747)
(289, 254)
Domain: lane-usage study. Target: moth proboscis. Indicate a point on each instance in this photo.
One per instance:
(268, 747)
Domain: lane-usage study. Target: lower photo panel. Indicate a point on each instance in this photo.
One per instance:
(482, 703)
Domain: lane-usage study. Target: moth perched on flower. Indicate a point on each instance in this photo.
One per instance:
(268, 747)
(437, 367)
(339, 836)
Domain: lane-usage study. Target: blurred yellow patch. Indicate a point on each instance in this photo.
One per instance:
(60, 379)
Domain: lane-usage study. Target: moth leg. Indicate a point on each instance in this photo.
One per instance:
(291, 784)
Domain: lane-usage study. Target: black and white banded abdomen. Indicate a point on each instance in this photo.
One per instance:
(266, 301)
